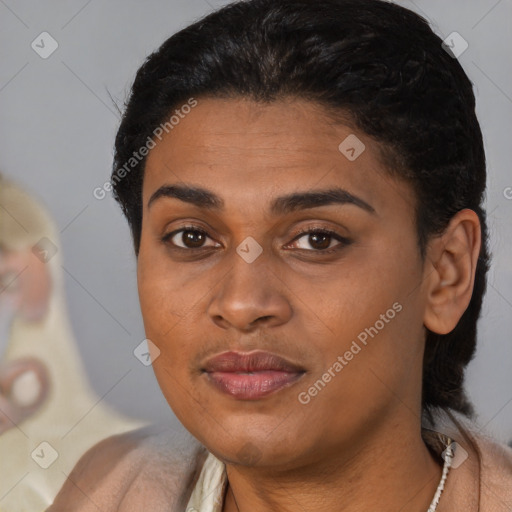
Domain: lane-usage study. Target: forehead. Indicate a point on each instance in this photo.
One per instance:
(259, 149)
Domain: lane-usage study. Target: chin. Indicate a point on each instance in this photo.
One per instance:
(248, 442)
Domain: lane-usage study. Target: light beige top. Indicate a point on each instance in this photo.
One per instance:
(208, 493)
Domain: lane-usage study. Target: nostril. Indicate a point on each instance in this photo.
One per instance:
(262, 319)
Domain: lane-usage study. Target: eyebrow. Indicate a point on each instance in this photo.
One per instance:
(203, 198)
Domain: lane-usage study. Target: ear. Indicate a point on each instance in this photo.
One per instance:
(449, 271)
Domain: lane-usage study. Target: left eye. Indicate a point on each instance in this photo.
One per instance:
(320, 240)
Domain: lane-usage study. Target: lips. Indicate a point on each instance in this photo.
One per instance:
(251, 376)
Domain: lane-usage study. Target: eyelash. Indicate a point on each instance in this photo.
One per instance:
(322, 231)
(306, 231)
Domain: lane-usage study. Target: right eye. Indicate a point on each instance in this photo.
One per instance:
(188, 238)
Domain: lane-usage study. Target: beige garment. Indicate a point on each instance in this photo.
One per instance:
(73, 418)
(147, 470)
(152, 471)
(208, 493)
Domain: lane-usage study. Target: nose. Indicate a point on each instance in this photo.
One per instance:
(250, 296)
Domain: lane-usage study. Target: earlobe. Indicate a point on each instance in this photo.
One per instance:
(450, 274)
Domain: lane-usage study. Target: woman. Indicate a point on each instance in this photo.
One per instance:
(304, 185)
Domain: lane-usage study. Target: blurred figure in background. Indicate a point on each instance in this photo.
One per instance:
(49, 416)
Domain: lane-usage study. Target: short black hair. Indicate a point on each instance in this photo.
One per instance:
(371, 59)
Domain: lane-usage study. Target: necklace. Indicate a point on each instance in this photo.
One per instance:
(448, 457)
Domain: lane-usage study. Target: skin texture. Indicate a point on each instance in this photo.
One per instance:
(362, 430)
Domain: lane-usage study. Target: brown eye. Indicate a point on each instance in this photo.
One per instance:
(188, 238)
(192, 239)
(319, 240)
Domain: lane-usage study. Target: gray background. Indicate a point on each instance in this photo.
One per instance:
(56, 136)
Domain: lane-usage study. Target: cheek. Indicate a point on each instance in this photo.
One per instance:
(358, 292)
(167, 310)
(374, 313)
(162, 300)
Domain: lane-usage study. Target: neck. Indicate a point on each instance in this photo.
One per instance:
(391, 471)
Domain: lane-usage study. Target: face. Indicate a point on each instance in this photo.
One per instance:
(298, 247)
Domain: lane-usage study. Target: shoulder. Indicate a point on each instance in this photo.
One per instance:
(496, 474)
(147, 467)
(482, 472)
